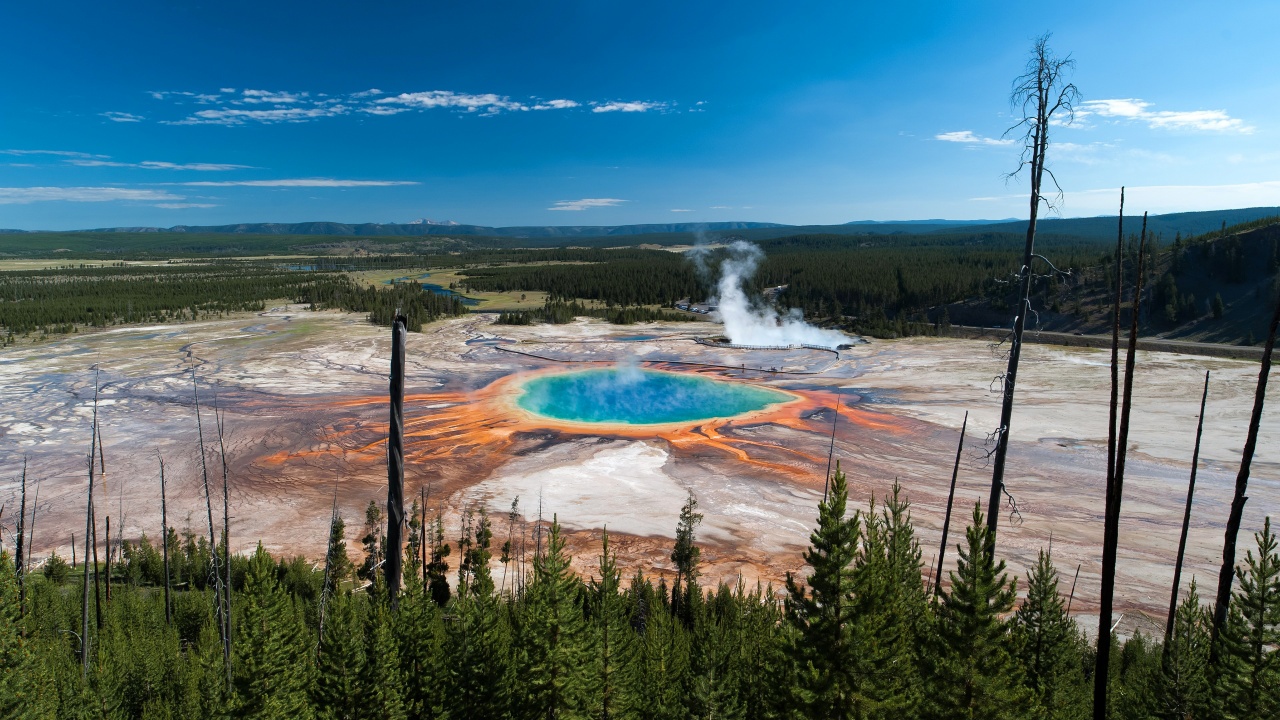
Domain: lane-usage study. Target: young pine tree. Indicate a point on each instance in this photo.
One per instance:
(336, 691)
(821, 610)
(381, 682)
(685, 593)
(1184, 686)
(272, 663)
(974, 674)
(556, 680)
(1048, 646)
(17, 665)
(892, 609)
(613, 635)
(1249, 675)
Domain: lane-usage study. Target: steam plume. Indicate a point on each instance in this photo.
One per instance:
(746, 323)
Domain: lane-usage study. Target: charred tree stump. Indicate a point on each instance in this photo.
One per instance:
(395, 463)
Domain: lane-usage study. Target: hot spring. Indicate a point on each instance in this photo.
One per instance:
(632, 396)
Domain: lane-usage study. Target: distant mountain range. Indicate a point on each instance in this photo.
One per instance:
(429, 227)
(667, 233)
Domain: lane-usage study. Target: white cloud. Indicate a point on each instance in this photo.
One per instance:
(59, 153)
(488, 102)
(560, 104)
(159, 165)
(299, 182)
(628, 107)
(270, 97)
(183, 206)
(122, 117)
(26, 195)
(585, 203)
(969, 138)
(233, 116)
(274, 106)
(721, 207)
(1133, 109)
(680, 210)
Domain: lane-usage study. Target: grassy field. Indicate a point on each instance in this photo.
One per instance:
(487, 301)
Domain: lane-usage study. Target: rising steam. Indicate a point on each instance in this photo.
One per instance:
(748, 323)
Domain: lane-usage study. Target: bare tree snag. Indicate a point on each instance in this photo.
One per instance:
(1041, 92)
(951, 498)
(164, 542)
(1115, 493)
(395, 463)
(1227, 573)
(1186, 522)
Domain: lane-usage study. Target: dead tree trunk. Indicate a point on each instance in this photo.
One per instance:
(1115, 493)
(164, 542)
(1041, 92)
(1186, 522)
(22, 531)
(1072, 596)
(226, 537)
(31, 534)
(213, 537)
(951, 498)
(1227, 573)
(395, 463)
(831, 451)
(88, 530)
(328, 570)
(108, 544)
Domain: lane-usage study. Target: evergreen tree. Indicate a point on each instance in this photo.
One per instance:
(557, 676)
(338, 561)
(613, 638)
(336, 692)
(1184, 687)
(659, 680)
(891, 608)
(1249, 675)
(372, 540)
(478, 646)
(685, 555)
(17, 692)
(438, 567)
(1048, 646)
(974, 674)
(272, 663)
(820, 608)
(422, 653)
(380, 679)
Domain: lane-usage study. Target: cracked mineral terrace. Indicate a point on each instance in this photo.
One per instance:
(304, 396)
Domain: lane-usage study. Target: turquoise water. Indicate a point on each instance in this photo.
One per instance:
(640, 397)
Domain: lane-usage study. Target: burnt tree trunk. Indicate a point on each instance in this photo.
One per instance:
(395, 463)
(1186, 522)
(1227, 573)
(164, 542)
(951, 497)
(1115, 493)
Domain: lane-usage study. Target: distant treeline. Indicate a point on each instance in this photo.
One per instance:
(62, 300)
(859, 634)
(559, 312)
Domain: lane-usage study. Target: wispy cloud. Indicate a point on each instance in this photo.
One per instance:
(585, 203)
(681, 210)
(27, 195)
(122, 117)
(249, 106)
(159, 165)
(628, 107)
(1134, 109)
(183, 206)
(968, 137)
(721, 207)
(58, 153)
(236, 116)
(299, 182)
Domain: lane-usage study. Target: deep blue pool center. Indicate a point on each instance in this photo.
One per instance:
(634, 396)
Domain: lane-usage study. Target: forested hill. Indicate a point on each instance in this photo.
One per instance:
(375, 237)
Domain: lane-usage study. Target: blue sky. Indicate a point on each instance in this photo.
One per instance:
(599, 112)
